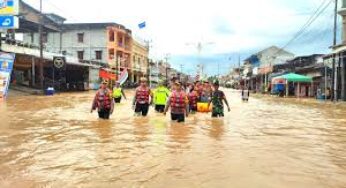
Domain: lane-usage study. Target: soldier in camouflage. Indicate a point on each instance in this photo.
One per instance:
(217, 99)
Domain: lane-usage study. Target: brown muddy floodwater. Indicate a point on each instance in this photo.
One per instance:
(268, 142)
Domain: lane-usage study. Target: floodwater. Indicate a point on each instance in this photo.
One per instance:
(267, 142)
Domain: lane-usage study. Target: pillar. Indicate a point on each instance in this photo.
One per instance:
(287, 88)
(33, 74)
(343, 79)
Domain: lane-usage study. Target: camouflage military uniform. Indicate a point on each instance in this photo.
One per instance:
(216, 99)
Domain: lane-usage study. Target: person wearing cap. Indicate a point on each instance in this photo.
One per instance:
(161, 94)
(103, 101)
(143, 98)
(118, 92)
(179, 104)
(217, 99)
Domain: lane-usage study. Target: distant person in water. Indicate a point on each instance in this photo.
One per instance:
(118, 92)
(103, 101)
(206, 92)
(245, 94)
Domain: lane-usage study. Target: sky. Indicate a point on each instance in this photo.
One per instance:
(227, 30)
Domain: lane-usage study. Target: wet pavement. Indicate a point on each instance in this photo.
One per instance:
(267, 142)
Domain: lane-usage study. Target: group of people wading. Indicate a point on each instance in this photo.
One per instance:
(180, 100)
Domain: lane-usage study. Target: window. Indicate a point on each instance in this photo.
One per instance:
(111, 36)
(111, 53)
(45, 37)
(80, 55)
(98, 55)
(80, 37)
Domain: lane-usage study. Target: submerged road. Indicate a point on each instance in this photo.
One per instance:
(267, 142)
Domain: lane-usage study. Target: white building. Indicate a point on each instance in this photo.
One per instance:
(86, 41)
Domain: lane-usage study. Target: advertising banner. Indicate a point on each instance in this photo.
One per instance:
(6, 67)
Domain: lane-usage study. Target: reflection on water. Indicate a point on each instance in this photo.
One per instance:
(267, 142)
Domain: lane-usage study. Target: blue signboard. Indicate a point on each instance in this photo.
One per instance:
(6, 67)
(9, 22)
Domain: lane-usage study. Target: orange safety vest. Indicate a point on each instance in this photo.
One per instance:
(142, 95)
(178, 103)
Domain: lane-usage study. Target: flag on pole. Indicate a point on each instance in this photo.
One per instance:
(123, 77)
(142, 25)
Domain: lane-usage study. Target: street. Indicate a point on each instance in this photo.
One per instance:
(267, 142)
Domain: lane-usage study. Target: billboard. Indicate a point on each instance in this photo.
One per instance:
(9, 7)
(6, 67)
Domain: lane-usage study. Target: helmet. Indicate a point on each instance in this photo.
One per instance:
(216, 82)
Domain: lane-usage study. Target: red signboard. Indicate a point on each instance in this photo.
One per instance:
(107, 75)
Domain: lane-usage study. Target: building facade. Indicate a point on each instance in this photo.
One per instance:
(109, 44)
(140, 63)
(259, 66)
(338, 57)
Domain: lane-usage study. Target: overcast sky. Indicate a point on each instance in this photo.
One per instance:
(231, 27)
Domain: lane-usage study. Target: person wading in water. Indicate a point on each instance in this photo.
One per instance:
(118, 92)
(142, 99)
(161, 94)
(179, 104)
(103, 101)
(217, 99)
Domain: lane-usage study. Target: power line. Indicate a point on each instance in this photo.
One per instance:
(62, 11)
(311, 20)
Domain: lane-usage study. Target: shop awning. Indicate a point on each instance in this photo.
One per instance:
(291, 77)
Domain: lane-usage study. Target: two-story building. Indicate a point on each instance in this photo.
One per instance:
(338, 58)
(140, 64)
(106, 43)
(259, 66)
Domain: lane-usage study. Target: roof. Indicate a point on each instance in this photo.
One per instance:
(104, 25)
(55, 16)
(292, 77)
(307, 56)
(279, 50)
(74, 26)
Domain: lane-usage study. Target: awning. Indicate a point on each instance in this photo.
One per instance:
(291, 77)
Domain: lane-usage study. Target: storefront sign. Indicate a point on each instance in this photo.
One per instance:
(59, 62)
(6, 66)
(107, 75)
(9, 22)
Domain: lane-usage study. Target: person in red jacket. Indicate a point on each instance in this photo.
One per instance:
(179, 103)
(142, 99)
(103, 101)
(193, 99)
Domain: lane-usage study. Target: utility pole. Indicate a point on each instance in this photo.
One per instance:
(166, 67)
(335, 74)
(40, 30)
